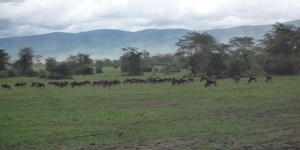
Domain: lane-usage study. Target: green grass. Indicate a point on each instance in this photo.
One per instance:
(189, 116)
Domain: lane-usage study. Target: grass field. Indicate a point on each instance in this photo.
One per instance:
(151, 116)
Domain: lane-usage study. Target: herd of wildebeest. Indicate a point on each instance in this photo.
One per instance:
(151, 80)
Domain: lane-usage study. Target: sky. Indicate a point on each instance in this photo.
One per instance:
(32, 17)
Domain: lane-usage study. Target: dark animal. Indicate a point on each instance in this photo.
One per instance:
(24, 84)
(190, 79)
(34, 84)
(6, 86)
(116, 82)
(252, 78)
(178, 81)
(97, 83)
(154, 80)
(203, 78)
(40, 85)
(209, 82)
(236, 79)
(75, 83)
(61, 84)
(19, 85)
(268, 78)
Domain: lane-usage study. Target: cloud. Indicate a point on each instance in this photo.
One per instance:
(28, 17)
(11, 1)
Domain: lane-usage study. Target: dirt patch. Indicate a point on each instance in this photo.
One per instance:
(164, 144)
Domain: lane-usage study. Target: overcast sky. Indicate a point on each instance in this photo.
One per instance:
(30, 17)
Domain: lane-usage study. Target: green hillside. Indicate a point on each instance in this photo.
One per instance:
(108, 43)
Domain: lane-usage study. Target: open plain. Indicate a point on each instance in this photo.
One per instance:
(151, 116)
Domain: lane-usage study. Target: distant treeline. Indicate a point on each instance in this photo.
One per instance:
(277, 53)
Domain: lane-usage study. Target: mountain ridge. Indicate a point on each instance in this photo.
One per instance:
(107, 43)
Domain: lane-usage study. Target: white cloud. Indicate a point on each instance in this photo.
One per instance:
(27, 17)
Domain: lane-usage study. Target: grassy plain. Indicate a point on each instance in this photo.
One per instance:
(151, 116)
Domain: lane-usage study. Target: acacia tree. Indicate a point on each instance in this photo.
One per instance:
(217, 58)
(243, 50)
(131, 61)
(4, 59)
(80, 64)
(51, 63)
(24, 64)
(281, 49)
(196, 47)
(99, 66)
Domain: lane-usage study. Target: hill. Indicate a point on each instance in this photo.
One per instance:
(108, 43)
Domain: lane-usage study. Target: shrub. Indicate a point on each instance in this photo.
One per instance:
(4, 74)
(147, 69)
(55, 75)
(86, 70)
(31, 73)
(43, 73)
(99, 70)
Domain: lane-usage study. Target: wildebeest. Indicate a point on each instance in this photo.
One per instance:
(190, 79)
(209, 82)
(34, 84)
(203, 78)
(236, 79)
(268, 78)
(19, 84)
(75, 83)
(252, 78)
(96, 83)
(178, 81)
(38, 85)
(86, 82)
(24, 84)
(6, 86)
(61, 84)
(154, 80)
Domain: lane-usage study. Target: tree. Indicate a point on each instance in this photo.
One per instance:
(196, 47)
(217, 58)
(86, 69)
(61, 71)
(37, 59)
(116, 63)
(99, 66)
(4, 59)
(281, 48)
(243, 47)
(283, 39)
(107, 62)
(84, 59)
(51, 63)
(24, 64)
(131, 61)
(75, 63)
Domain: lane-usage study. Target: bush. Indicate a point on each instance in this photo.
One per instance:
(4, 74)
(12, 72)
(30, 73)
(55, 75)
(99, 70)
(236, 67)
(147, 69)
(85, 70)
(43, 73)
(282, 65)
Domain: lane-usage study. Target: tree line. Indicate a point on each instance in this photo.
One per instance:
(200, 53)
